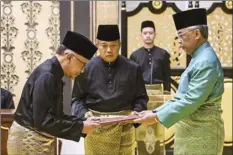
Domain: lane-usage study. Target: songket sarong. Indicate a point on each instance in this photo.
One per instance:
(202, 133)
(24, 141)
(111, 139)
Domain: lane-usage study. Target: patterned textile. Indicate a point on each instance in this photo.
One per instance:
(112, 139)
(202, 133)
(23, 141)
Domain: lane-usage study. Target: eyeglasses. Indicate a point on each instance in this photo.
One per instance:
(181, 36)
(83, 63)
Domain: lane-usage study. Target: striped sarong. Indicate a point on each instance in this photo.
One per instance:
(24, 141)
(111, 139)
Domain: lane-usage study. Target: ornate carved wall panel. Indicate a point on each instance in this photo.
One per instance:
(107, 12)
(29, 35)
(220, 35)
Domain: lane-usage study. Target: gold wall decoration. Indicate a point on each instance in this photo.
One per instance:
(227, 111)
(229, 4)
(157, 4)
(220, 35)
(166, 36)
(30, 33)
(150, 139)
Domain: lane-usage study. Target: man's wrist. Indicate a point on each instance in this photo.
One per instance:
(155, 115)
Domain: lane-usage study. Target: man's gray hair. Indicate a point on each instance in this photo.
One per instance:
(203, 30)
(61, 49)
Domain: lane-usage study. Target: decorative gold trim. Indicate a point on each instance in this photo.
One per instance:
(228, 80)
(228, 5)
(4, 128)
(227, 143)
(157, 4)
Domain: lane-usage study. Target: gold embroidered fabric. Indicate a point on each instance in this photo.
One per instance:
(23, 141)
(112, 139)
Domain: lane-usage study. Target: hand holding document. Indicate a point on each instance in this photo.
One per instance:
(117, 119)
(90, 126)
(146, 117)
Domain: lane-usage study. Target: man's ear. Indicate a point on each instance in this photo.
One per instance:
(198, 34)
(68, 54)
(97, 42)
(119, 44)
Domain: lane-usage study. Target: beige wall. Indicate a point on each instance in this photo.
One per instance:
(29, 35)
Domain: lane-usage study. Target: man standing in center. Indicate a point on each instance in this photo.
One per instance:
(111, 85)
(154, 60)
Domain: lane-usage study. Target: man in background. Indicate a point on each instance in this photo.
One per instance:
(153, 60)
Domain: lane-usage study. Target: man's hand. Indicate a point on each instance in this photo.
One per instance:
(146, 118)
(89, 126)
(88, 114)
(134, 113)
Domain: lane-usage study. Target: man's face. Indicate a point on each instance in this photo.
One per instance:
(76, 65)
(148, 35)
(188, 39)
(109, 50)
